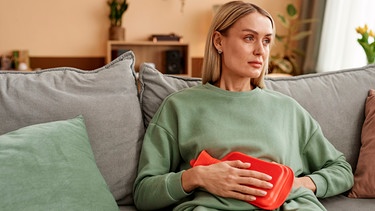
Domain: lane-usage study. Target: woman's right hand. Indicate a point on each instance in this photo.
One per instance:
(231, 179)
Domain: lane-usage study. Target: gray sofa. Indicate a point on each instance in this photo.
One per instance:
(116, 107)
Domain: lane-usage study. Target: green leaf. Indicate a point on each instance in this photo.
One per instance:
(292, 11)
(275, 57)
(298, 52)
(282, 18)
(285, 65)
(279, 37)
(305, 21)
(301, 35)
(284, 22)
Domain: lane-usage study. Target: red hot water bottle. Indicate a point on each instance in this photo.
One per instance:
(282, 177)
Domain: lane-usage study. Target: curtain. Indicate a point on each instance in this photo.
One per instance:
(313, 9)
(338, 46)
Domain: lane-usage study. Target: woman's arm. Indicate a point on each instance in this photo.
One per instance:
(158, 183)
(326, 166)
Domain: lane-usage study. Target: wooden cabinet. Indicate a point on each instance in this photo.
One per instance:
(168, 57)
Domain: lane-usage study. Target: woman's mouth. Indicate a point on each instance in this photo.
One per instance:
(256, 64)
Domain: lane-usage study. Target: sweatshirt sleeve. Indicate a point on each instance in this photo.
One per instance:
(158, 183)
(326, 166)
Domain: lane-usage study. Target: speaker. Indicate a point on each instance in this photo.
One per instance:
(117, 53)
(174, 62)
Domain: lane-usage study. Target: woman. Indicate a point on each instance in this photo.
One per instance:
(231, 111)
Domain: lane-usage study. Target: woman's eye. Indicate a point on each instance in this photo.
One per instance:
(267, 41)
(250, 38)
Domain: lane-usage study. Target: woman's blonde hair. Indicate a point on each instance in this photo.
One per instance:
(225, 17)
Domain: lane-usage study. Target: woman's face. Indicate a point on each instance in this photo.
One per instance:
(245, 47)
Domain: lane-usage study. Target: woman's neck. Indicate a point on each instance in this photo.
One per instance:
(235, 86)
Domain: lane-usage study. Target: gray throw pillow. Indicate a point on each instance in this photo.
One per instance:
(155, 86)
(107, 98)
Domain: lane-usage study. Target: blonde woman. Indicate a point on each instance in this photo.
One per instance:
(232, 111)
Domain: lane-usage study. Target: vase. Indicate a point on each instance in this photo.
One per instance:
(116, 33)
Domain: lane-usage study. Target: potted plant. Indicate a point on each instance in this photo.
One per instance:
(367, 41)
(287, 60)
(117, 9)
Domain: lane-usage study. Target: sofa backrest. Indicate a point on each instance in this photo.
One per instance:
(335, 99)
(107, 98)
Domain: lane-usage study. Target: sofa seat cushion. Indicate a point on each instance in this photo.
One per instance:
(106, 97)
(343, 203)
(50, 166)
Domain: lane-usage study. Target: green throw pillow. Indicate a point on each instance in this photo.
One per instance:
(51, 166)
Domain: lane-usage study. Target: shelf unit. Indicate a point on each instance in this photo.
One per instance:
(151, 52)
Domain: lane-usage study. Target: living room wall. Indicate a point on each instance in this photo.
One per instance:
(71, 28)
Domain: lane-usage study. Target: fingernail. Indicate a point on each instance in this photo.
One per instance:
(269, 185)
(263, 193)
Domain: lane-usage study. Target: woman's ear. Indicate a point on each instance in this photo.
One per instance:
(217, 41)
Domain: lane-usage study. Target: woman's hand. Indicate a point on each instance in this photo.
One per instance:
(304, 182)
(227, 179)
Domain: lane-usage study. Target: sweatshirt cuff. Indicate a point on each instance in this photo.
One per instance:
(320, 183)
(174, 186)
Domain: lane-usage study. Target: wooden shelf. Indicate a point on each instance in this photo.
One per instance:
(152, 52)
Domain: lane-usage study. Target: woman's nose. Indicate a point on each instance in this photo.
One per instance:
(259, 49)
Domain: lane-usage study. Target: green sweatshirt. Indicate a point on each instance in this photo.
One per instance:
(261, 123)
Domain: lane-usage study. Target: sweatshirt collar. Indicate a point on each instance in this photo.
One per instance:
(231, 93)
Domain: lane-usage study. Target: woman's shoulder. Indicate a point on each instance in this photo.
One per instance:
(279, 97)
(176, 100)
(186, 91)
(285, 101)
(183, 94)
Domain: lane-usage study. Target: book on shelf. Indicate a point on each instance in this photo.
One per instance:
(165, 37)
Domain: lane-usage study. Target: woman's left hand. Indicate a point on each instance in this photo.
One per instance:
(304, 182)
